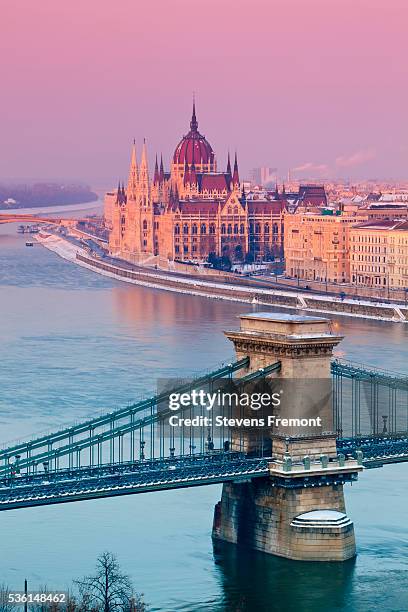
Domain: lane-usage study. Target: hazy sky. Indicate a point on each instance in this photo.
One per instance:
(318, 85)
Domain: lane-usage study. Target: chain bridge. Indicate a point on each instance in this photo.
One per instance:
(130, 450)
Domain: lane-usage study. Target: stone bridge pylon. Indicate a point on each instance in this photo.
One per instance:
(298, 511)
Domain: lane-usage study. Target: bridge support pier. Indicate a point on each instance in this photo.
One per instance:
(268, 518)
(298, 512)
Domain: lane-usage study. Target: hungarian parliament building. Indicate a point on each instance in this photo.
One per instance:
(195, 211)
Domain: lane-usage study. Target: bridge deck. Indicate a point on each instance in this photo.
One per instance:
(125, 479)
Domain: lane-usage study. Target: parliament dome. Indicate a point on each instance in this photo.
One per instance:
(193, 148)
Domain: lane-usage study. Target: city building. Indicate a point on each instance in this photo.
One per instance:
(379, 254)
(193, 211)
(317, 246)
(264, 175)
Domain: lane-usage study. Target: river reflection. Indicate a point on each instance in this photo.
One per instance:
(254, 581)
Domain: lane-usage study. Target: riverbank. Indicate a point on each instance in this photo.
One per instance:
(53, 208)
(216, 290)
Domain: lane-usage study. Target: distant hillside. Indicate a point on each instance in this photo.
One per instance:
(44, 194)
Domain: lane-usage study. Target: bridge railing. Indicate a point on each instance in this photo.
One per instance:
(368, 401)
(130, 434)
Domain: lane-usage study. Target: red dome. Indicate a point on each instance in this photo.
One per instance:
(193, 147)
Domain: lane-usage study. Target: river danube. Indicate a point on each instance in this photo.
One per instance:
(74, 344)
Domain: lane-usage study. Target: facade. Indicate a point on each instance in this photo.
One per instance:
(317, 246)
(192, 211)
(379, 254)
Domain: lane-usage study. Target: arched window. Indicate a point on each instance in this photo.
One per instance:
(235, 210)
(194, 229)
(123, 220)
(257, 228)
(229, 210)
(266, 228)
(275, 228)
(242, 229)
(144, 224)
(203, 228)
(177, 229)
(185, 228)
(223, 228)
(212, 228)
(236, 228)
(229, 229)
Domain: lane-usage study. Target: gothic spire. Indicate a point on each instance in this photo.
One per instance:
(194, 122)
(156, 177)
(229, 172)
(143, 161)
(133, 172)
(161, 174)
(235, 176)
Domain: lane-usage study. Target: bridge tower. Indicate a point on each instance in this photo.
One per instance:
(298, 512)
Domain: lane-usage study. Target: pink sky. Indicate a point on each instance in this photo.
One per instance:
(318, 85)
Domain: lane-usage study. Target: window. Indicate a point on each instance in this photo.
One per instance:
(212, 228)
(203, 228)
(145, 224)
(177, 229)
(241, 229)
(223, 228)
(229, 229)
(266, 228)
(185, 228)
(236, 228)
(194, 229)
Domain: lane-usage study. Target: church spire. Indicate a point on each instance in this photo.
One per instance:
(235, 176)
(143, 161)
(156, 177)
(229, 172)
(161, 174)
(194, 122)
(133, 172)
(144, 172)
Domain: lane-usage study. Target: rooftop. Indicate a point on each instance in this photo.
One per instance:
(283, 316)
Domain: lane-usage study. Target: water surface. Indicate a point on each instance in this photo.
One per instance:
(74, 344)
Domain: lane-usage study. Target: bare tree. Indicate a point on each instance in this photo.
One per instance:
(5, 605)
(109, 589)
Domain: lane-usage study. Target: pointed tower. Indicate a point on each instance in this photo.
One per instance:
(229, 165)
(118, 194)
(133, 175)
(194, 122)
(145, 209)
(156, 178)
(144, 185)
(161, 173)
(235, 176)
